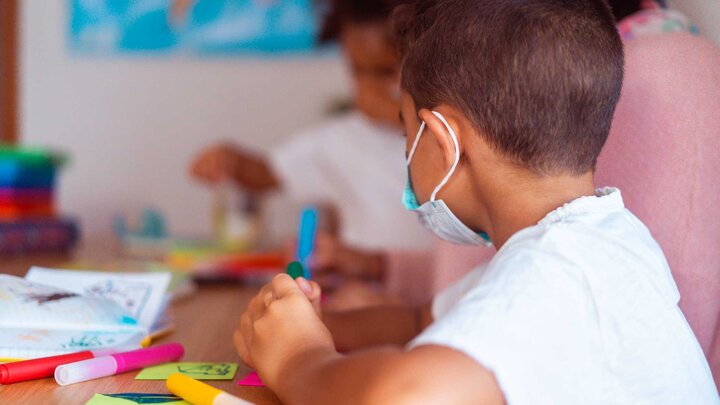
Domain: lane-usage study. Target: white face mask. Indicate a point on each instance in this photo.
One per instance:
(435, 215)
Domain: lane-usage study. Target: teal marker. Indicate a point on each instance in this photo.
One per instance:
(306, 238)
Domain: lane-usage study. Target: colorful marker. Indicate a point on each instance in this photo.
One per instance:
(35, 369)
(198, 393)
(306, 238)
(117, 363)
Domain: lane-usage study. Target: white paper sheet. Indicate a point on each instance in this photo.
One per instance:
(140, 294)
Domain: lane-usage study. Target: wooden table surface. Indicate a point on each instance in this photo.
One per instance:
(204, 323)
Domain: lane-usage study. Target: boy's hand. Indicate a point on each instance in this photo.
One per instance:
(279, 324)
(313, 292)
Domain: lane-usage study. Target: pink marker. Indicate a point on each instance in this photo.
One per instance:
(117, 363)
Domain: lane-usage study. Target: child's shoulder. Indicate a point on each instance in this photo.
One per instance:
(590, 240)
(585, 229)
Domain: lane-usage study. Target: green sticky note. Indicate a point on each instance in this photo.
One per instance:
(135, 398)
(198, 371)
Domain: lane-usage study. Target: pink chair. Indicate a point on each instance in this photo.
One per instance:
(664, 155)
(417, 276)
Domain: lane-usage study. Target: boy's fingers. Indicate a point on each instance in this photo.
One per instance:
(305, 286)
(245, 338)
(284, 286)
(267, 298)
(258, 304)
(315, 290)
(311, 289)
(241, 346)
(312, 292)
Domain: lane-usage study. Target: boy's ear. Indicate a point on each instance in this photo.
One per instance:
(441, 134)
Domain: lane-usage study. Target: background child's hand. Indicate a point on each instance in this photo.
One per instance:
(227, 162)
(332, 257)
(216, 163)
(279, 324)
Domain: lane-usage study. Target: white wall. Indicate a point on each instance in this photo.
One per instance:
(704, 13)
(132, 124)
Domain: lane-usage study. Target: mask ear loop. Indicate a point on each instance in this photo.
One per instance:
(415, 144)
(457, 156)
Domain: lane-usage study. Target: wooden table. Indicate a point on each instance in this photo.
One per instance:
(204, 323)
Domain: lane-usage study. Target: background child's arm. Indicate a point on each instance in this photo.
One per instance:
(227, 162)
(389, 325)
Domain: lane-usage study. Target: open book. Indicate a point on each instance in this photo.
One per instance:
(52, 312)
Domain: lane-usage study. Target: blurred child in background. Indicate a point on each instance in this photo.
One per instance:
(353, 163)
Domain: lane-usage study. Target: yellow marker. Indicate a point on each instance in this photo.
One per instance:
(198, 393)
(146, 342)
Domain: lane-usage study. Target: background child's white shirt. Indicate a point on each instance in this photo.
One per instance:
(359, 167)
(579, 309)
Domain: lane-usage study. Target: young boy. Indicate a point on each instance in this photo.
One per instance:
(511, 102)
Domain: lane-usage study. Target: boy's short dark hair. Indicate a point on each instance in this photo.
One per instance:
(342, 12)
(540, 79)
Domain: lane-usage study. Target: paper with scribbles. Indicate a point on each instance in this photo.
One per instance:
(55, 311)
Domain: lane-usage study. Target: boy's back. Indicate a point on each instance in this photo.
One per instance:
(580, 308)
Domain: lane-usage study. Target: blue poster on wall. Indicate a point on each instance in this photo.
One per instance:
(204, 27)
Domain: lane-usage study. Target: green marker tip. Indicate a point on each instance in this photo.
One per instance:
(295, 270)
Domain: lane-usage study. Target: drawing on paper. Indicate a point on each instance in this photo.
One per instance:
(131, 296)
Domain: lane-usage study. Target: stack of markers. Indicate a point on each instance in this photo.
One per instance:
(28, 217)
(88, 365)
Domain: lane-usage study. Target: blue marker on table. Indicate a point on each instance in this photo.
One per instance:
(306, 238)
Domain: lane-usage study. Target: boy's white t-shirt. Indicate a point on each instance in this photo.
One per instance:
(359, 167)
(579, 309)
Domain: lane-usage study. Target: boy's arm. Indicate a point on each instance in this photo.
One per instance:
(282, 337)
(387, 325)
(424, 375)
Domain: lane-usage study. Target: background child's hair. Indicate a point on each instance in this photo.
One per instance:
(342, 12)
(539, 79)
(623, 8)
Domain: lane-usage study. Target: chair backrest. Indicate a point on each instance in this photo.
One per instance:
(664, 154)
(452, 262)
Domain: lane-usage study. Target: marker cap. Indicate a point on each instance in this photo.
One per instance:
(150, 356)
(295, 270)
(4, 374)
(85, 370)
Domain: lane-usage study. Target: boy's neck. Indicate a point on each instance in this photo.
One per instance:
(524, 203)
